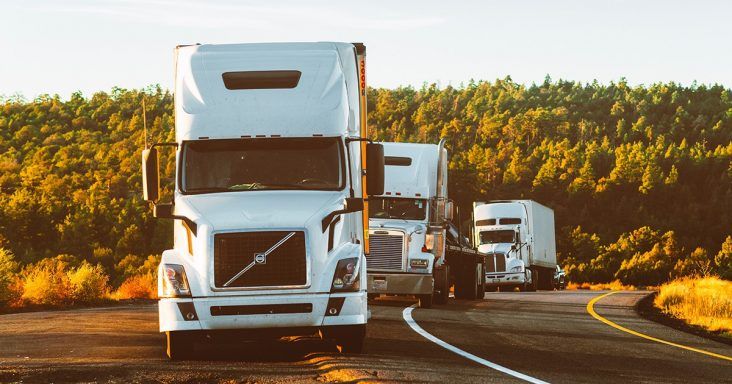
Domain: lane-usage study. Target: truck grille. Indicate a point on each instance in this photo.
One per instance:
(386, 252)
(496, 263)
(284, 265)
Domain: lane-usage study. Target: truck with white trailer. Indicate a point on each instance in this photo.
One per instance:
(518, 237)
(270, 209)
(415, 249)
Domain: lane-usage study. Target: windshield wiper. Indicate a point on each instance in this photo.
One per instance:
(207, 190)
(256, 186)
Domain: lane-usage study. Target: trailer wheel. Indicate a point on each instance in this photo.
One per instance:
(179, 345)
(442, 285)
(545, 280)
(425, 301)
(481, 282)
(466, 284)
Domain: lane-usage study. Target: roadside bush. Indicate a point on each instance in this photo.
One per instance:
(615, 285)
(144, 286)
(706, 302)
(723, 260)
(88, 283)
(46, 282)
(8, 278)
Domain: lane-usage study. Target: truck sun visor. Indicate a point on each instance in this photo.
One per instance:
(261, 79)
(398, 160)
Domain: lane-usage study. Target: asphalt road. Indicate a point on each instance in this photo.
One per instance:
(546, 336)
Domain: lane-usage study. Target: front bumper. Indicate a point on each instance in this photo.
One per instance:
(505, 278)
(400, 283)
(286, 311)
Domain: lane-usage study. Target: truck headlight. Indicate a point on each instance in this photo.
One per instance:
(517, 268)
(429, 241)
(418, 263)
(175, 282)
(345, 278)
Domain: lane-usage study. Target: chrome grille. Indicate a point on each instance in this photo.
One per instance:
(386, 252)
(284, 265)
(496, 263)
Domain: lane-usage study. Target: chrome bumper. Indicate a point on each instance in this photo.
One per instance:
(400, 283)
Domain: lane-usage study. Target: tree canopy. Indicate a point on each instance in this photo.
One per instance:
(646, 166)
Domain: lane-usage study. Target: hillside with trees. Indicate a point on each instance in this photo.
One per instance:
(639, 177)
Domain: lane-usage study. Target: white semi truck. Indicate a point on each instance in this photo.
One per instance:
(415, 250)
(518, 236)
(270, 201)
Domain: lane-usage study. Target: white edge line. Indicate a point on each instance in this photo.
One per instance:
(407, 314)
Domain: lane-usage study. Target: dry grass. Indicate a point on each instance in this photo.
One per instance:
(138, 287)
(705, 302)
(612, 286)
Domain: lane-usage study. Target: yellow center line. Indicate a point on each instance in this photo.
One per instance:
(591, 311)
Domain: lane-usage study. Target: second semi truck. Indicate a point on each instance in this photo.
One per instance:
(415, 249)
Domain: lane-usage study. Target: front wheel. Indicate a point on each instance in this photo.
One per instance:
(442, 285)
(352, 341)
(179, 345)
(425, 301)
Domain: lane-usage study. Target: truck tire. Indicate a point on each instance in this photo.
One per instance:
(425, 301)
(442, 285)
(546, 280)
(466, 283)
(353, 340)
(532, 286)
(491, 288)
(179, 345)
(481, 282)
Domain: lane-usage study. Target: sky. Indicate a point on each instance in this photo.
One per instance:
(59, 47)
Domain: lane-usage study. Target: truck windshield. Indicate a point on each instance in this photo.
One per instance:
(259, 164)
(393, 208)
(493, 237)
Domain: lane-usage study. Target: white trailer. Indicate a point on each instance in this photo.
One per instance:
(519, 238)
(412, 251)
(272, 173)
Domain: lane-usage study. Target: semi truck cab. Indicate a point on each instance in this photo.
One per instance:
(272, 173)
(518, 237)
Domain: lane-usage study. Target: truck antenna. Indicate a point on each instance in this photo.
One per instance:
(144, 120)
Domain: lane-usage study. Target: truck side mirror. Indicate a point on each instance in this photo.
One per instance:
(354, 204)
(150, 177)
(374, 169)
(163, 211)
(449, 210)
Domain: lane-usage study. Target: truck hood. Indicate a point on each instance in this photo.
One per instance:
(406, 226)
(493, 248)
(264, 209)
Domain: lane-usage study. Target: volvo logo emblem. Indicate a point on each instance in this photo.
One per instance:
(260, 258)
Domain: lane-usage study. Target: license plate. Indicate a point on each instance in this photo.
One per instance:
(496, 280)
(379, 284)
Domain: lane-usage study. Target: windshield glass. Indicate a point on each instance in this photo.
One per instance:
(492, 237)
(257, 164)
(392, 208)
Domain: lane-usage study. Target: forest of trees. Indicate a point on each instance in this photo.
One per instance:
(640, 178)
